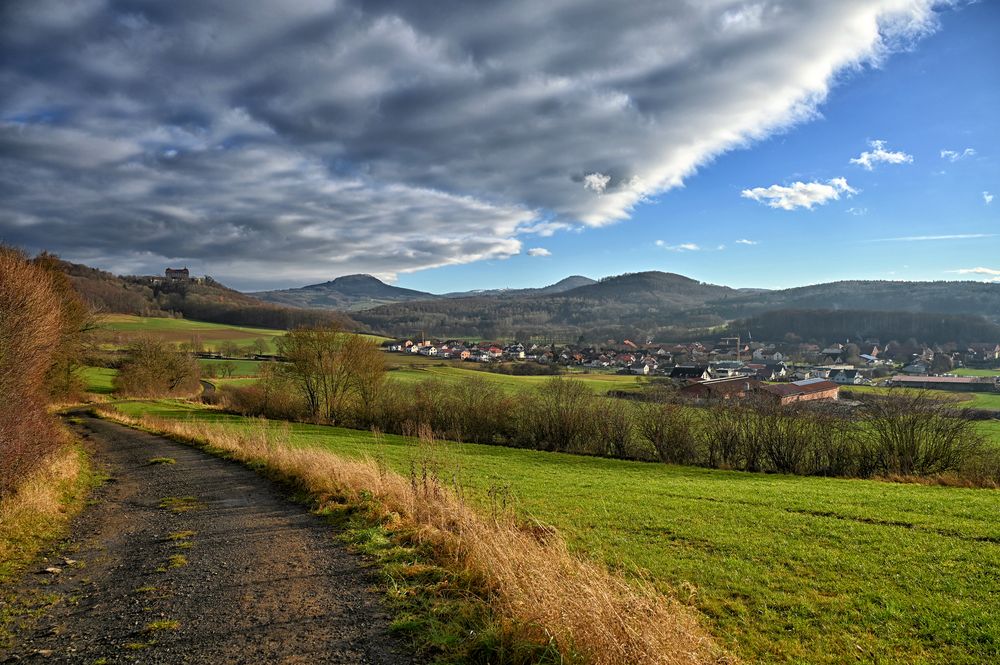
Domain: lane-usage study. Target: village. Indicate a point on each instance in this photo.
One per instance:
(732, 368)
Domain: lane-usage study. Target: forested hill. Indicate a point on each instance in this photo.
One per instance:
(833, 325)
(614, 307)
(208, 301)
(980, 298)
(665, 305)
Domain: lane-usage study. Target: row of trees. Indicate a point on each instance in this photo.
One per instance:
(42, 327)
(339, 378)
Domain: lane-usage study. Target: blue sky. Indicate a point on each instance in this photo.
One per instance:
(465, 144)
(944, 94)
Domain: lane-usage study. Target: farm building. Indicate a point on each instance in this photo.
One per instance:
(955, 383)
(728, 388)
(802, 391)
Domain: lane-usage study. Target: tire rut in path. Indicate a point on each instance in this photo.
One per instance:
(248, 576)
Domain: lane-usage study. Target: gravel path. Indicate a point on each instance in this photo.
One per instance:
(199, 561)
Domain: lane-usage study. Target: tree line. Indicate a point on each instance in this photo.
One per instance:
(337, 378)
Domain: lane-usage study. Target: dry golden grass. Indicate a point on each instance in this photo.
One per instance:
(39, 510)
(529, 576)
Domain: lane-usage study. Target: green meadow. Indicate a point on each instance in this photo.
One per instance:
(451, 373)
(967, 371)
(118, 330)
(784, 568)
(98, 380)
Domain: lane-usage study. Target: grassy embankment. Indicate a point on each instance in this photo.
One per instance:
(117, 330)
(785, 568)
(37, 516)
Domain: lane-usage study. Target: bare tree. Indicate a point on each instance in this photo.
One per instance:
(331, 366)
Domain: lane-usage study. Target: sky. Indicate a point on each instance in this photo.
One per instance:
(469, 145)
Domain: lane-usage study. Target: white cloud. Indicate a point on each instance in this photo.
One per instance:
(868, 159)
(596, 182)
(683, 247)
(539, 251)
(954, 155)
(990, 274)
(857, 212)
(955, 236)
(988, 198)
(799, 194)
(744, 241)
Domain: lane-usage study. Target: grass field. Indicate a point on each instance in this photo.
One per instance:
(978, 400)
(966, 371)
(99, 380)
(787, 569)
(599, 383)
(239, 368)
(117, 330)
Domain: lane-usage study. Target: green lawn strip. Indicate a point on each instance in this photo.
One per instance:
(598, 383)
(239, 368)
(99, 380)
(968, 371)
(787, 568)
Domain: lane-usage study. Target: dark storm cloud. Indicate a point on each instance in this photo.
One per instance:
(296, 141)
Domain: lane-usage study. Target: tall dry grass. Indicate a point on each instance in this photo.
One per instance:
(39, 510)
(528, 575)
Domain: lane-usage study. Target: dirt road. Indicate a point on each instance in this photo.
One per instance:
(203, 561)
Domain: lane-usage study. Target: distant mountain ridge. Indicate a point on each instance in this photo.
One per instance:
(361, 292)
(658, 304)
(348, 293)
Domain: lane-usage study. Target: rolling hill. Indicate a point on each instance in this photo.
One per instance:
(361, 292)
(665, 305)
(207, 300)
(347, 293)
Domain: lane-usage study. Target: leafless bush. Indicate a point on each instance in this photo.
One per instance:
(914, 434)
(153, 368)
(672, 432)
(30, 327)
(614, 424)
(559, 416)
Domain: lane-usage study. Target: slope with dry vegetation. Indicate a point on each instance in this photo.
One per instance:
(525, 572)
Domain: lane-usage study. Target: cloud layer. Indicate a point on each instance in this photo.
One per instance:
(287, 142)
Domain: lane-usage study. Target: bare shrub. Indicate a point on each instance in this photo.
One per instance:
(560, 416)
(153, 368)
(30, 332)
(273, 395)
(913, 434)
(671, 430)
(614, 424)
